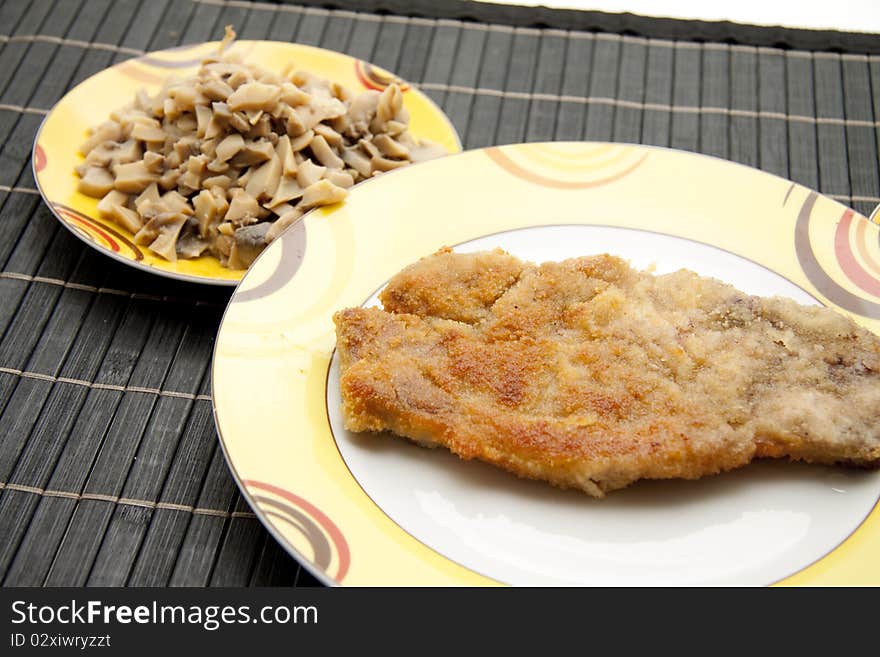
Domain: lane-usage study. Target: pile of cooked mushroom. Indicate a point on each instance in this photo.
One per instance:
(222, 162)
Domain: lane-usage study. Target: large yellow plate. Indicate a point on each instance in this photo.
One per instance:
(367, 510)
(56, 147)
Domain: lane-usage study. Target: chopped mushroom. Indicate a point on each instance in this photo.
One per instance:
(166, 243)
(133, 177)
(112, 206)
(96, 181)
(322, 192)
(242, 207)
(340, 178)
(254, 96)
(249, 241)
(390, 148)
(222, 161)
(191, 246)
(228, 147)
(147, 197)
(283, 222)
(324, 154)
(264, 181)
(309, 173)
(288, 190)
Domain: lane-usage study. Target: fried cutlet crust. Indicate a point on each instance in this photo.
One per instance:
(589, 374)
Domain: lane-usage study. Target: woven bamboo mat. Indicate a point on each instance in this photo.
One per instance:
(110, 470)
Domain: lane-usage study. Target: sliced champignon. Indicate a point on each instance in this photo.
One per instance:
(216, 166)
(127, 218)
(107, 131)
(153, 162)
(209, 206)
(185, 146)
(281, 209)
(96, 182)
(238, 121)
(294, 126)
(253, 96)
(221, 246)
(329, 107)
(305, 118)
(322, 192)
(203, 118)
(264, 181)
(368, 148)
(229, 147)
(391, 148)
(147, 129)
(390, 103)
(152, 228)
(225, 159)
(197, 163)
(216, 89)
(111, 199)
(166, 242)
(309, 173)
(426, 151)
(113, 206)
(241, 207)
(253, 116)
(190, 246)
(133, 177)
(389, 106)
(249, 242)
(253, 152)
(280, 224)
(340, 178)
(361, 113)
(381, 164)
(189, 182)
(324, 154)
(242, 181)
(169, 179)
(238, 77)
(185, 96)
(340, 92)
(262, 129)
(172, 160)
(186, 123)
(300, 142)
(96, 158)
(217, 181)
(330, 135)
(342, 125)
(215, 127)
(125, 152)
(354, 158)
(293, 95)
(208, 147)
(395, 128)
(147, 197)
(288, 189)
(228, 38)
(285, 155)
(176, 202)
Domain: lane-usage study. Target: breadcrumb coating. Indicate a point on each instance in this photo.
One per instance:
(589, 374)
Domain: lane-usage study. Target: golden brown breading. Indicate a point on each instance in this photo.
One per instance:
(589, 374)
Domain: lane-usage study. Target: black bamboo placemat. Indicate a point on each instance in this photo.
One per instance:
(110, 471)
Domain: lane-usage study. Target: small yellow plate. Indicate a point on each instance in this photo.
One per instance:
(56, 147)
(377, 510)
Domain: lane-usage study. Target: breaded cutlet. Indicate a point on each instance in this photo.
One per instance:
(590, 374)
